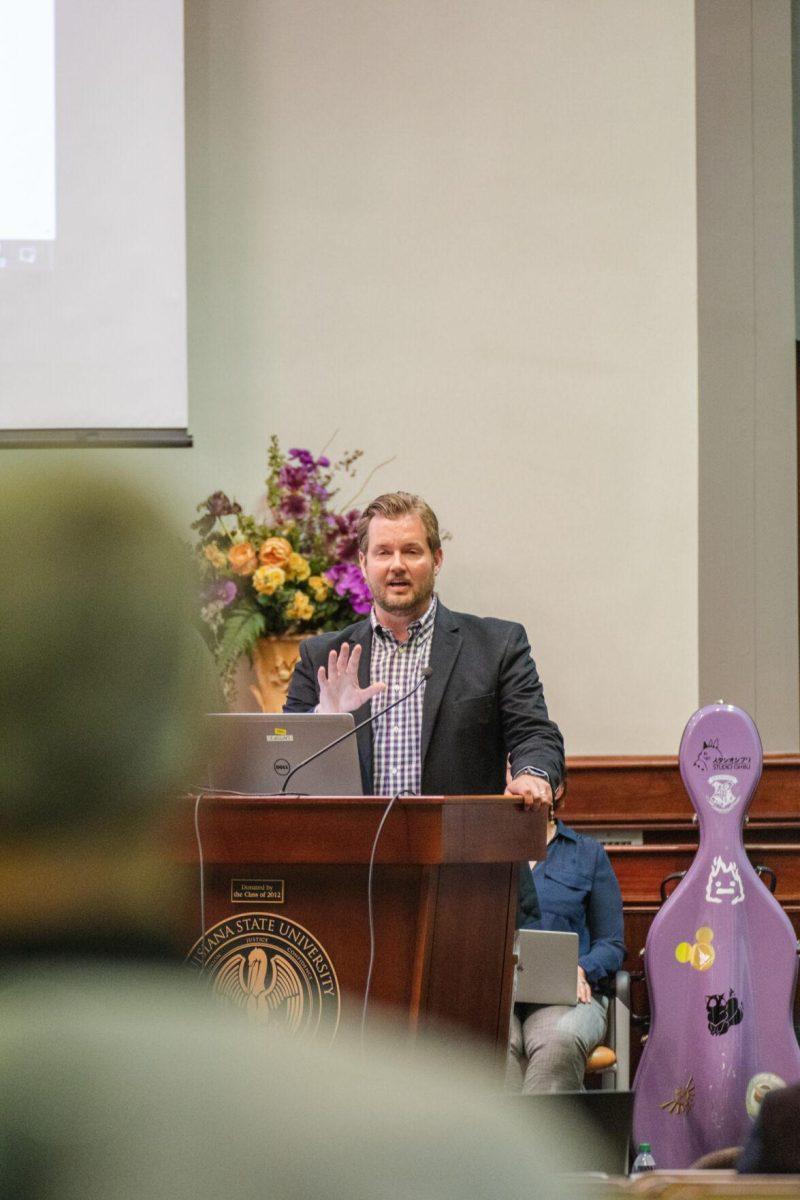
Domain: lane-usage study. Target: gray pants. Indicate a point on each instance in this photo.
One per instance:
(549, 1044)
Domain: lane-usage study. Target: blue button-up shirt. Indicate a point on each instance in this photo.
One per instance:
(577, 892)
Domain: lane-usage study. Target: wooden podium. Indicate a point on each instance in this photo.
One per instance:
(444, 901)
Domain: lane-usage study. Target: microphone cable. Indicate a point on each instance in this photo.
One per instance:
(200, 795)
(370, 914)
(201, 864)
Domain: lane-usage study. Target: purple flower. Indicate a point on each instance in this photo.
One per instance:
(348, 522)
(338, 573)
(294, 479)
(223, 592)
(346, 545)
(347, 548)
(361, 601)
(306, 459)
(220, 506)
(294, 506)
(348, 582)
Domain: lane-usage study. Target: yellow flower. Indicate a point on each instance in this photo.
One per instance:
(274, 552)
(242, 558)
(320, 587)
(300, 608)
(298, 568)
(215, 556)
(267, 580)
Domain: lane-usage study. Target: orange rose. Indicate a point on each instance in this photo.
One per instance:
(242, 558)
(274, 552)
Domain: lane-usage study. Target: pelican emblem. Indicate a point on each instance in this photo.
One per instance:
(243, 981)
(273, 969)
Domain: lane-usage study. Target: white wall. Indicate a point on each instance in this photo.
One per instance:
(464, 235)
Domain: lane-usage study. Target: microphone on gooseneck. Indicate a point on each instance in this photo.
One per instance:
(425, 674)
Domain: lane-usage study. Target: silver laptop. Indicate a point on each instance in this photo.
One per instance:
(253, 753)
(547, 967)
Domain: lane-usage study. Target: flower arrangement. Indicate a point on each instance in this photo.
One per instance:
(294, 571)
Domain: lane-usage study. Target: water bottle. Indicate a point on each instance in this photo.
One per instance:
(644, 1160)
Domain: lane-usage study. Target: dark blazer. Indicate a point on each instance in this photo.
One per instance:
(483, 700)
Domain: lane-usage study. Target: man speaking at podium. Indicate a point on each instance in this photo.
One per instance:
(477, 697)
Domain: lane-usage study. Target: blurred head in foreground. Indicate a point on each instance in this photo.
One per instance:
(100, 694)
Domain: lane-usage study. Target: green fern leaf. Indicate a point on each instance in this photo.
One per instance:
(243, 628)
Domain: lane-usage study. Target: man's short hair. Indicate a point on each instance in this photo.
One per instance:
(399, 504)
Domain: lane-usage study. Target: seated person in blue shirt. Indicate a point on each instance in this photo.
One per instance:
(574, 890)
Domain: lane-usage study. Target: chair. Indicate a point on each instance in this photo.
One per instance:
(612, 1061)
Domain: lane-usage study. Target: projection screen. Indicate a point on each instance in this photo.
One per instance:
(92, 223)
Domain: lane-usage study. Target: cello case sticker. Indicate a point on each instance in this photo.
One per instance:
(701, 955)
(710, 757)
(724, 883)
(682, 1099)
(724, 798)
(705, 756)
(757, 1089)
(723, 1013)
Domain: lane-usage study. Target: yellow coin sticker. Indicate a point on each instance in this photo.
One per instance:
(702, 956)
(699, 954)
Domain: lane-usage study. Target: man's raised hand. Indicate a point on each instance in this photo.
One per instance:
(339, 689)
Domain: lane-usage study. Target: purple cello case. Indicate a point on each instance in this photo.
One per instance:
(720, 964)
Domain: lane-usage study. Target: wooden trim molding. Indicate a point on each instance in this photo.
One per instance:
(637, 790)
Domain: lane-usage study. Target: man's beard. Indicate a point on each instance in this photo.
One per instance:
(418, 598)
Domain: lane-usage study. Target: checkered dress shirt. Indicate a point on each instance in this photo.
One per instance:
(396, 745)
